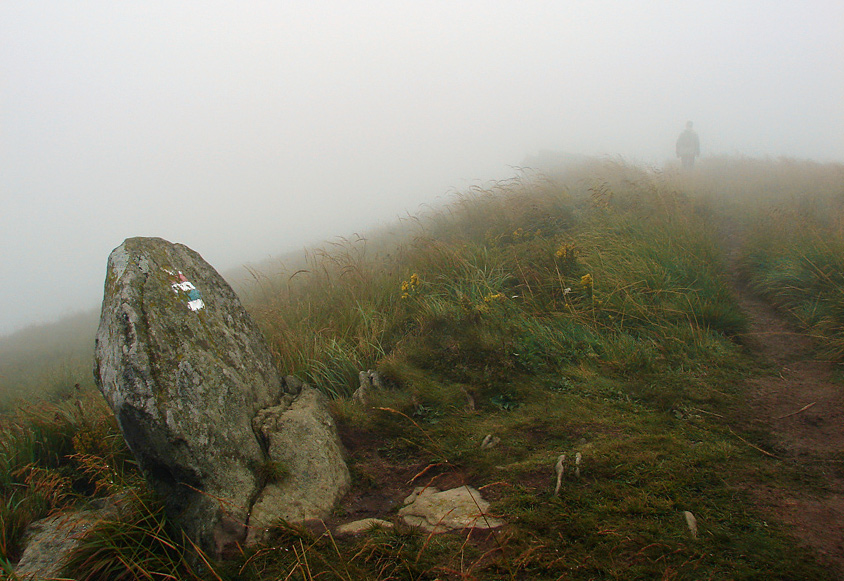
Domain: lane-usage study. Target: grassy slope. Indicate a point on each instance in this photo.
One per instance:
(590, 314)
(46, 361)
(794, 252)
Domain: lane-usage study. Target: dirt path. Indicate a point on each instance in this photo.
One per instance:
(801, 408)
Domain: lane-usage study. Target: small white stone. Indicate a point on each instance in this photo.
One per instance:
(439, 512)
(691, 522)
(560, 469)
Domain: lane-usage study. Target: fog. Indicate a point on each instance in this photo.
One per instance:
(247, 129)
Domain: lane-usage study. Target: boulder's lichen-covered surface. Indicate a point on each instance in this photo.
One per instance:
(186, 370)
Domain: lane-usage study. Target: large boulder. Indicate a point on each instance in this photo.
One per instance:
(186, 371)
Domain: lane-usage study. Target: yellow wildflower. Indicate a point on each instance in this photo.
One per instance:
(567, 252)
(587, 283)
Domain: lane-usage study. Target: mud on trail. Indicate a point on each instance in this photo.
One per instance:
(798, 412)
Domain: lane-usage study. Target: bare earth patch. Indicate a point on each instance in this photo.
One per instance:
(801, 407)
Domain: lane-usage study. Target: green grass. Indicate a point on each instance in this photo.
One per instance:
(590, 314)
(799, 269)
(138, 544)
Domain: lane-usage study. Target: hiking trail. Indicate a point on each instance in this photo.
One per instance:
(800, 407)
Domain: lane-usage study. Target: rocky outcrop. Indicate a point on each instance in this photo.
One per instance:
(186, 371)
(442, 511)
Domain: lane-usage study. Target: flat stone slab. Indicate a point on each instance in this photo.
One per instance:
(442, 511)
(362, 526)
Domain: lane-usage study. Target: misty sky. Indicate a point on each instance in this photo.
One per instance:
(245, 129)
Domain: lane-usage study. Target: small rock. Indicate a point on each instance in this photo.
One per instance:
(559, 468)
(441, 511)
(691, 522)
(50, 540)
(362, 526)
(369, 381)
(377, 380)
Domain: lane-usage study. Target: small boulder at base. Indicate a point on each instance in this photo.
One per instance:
(305, 450)
(442, 511)
(186, 370)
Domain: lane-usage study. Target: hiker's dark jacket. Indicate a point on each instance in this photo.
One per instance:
(688, 143)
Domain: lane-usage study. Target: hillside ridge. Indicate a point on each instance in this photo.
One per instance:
(604, 314)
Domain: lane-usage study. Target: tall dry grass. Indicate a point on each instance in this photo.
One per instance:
(788, 216)
(511, 259)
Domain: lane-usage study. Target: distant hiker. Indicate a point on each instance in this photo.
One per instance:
(688, 146)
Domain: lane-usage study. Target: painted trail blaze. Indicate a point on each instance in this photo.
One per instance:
(183, 285)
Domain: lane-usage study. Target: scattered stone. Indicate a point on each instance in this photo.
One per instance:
(490, 441)
(369, 381)
(691, 522)
(186, 370)
(377, 380)
(49, 541)
(302, 440)
(362, 526)
(559, 468)
(439, 512)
